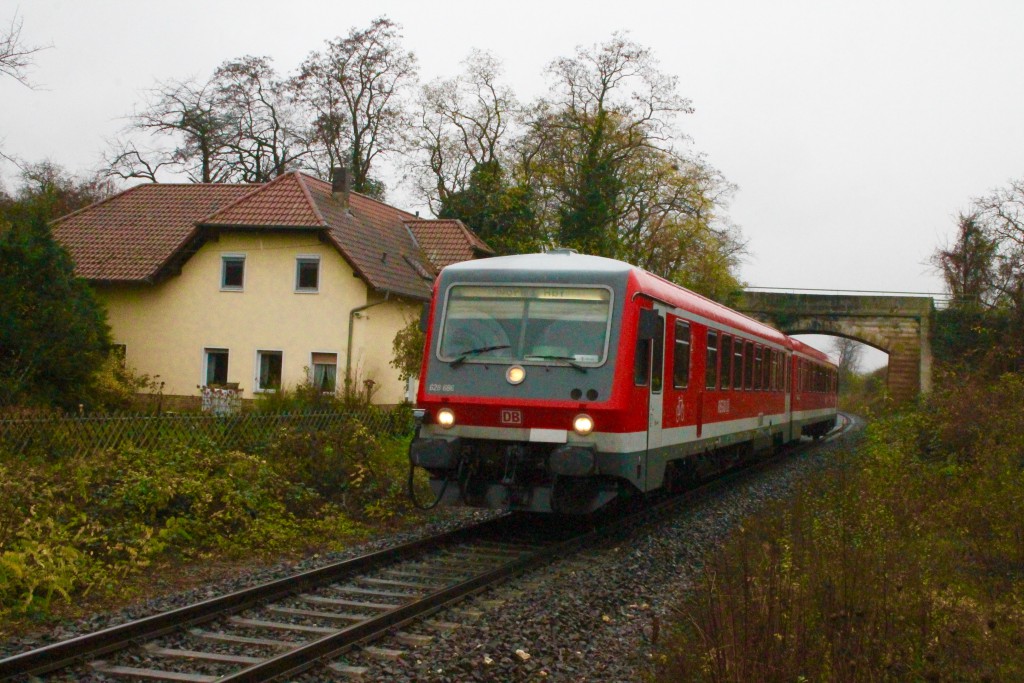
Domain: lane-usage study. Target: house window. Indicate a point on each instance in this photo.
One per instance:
(268, 369)
(216, 366)
(232, 272)
(325, 371)
(307, 274)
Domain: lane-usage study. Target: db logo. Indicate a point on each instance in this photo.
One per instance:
(511, 417)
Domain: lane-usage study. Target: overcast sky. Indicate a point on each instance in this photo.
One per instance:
(855, 131)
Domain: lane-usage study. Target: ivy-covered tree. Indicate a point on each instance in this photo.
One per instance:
(53, 330)
(408, 351)
(968, 264)
(498, 210)
(983, 269)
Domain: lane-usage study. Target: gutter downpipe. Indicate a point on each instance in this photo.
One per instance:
(351, 326)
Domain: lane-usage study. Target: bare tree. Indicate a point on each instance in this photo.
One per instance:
(125, 160)
(355, 90)
(465, 123)
(188, 115)
(1001, 218)
(264, 140)
(15, 56)
(848, 353)
(238, 126)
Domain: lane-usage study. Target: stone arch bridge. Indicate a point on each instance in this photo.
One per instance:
(897, 325)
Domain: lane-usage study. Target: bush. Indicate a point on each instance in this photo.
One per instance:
(76, 524)
(906, 563)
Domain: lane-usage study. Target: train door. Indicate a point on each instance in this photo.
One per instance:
(652, 331)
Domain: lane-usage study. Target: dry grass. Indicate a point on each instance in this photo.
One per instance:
(906, 563)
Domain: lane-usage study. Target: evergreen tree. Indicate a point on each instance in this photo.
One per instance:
(53, 330)
(500, 212)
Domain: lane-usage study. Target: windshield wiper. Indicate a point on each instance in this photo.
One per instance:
(475, 352)
(568, 359)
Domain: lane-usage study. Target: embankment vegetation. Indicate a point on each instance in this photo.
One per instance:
(90, 524)
(904, 562)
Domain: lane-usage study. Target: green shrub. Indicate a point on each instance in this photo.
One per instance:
(75, 524)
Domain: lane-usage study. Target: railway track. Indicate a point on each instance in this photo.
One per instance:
(284, 627)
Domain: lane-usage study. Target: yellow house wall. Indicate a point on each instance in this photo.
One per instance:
(372, 351)
(167, 327)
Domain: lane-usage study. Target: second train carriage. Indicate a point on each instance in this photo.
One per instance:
(555, 382)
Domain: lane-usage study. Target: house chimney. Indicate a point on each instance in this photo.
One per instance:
(340, 185)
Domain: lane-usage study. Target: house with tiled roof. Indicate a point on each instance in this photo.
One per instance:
(261, 286)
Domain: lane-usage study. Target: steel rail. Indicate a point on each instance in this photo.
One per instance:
(66, 653)
(303, 658)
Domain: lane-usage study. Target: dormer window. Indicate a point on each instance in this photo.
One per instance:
(307, 274)
(232, 272)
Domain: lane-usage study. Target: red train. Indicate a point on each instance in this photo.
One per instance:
(556, 382)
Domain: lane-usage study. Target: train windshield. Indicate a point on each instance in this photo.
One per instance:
(496, 323)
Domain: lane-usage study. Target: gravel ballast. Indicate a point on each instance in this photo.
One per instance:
(588, 617)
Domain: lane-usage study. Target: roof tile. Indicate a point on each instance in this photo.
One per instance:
(446, 241)
(132, 235)
(135, 235)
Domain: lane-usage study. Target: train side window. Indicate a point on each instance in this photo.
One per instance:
(766, 370)
(712, 361)
(748, 365)
(737, 363)
(726, 354)
(757, 367)
(642, 362)
(658, 357)
(681, 355)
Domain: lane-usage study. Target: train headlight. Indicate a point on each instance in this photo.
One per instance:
(583, 424)
(515, 374)
(446, 417)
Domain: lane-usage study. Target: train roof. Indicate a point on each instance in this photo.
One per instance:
(558, 260)
(564, 260)
(807, 350)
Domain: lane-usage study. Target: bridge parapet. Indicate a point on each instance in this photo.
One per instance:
(897, 325)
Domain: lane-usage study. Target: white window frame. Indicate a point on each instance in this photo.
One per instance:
(312, 367)
(204, 381)
(299, 261)
(257, 389)
(224, 258)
